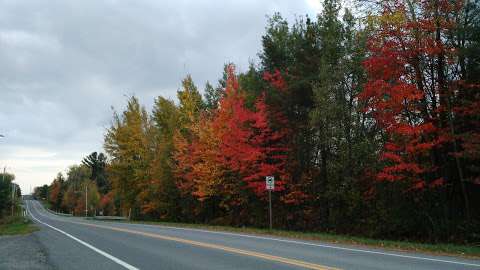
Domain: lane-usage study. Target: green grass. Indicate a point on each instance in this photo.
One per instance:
(437, 249)
(16, 225)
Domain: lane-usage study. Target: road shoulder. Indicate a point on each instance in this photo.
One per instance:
(23, 252)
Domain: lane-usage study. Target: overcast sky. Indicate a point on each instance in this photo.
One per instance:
(63, 64)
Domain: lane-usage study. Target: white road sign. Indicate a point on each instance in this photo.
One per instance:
(270, 182)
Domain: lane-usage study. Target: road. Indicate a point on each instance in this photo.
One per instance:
(77, 243)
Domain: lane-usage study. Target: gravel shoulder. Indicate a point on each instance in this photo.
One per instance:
(20, 252)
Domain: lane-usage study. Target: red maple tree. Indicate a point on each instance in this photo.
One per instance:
(250, 145)
(410, 89)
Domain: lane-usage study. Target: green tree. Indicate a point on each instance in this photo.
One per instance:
(344, 150)
(212, 96)
(5, 192)
(293, 53)
(41, 192)
(97, 164)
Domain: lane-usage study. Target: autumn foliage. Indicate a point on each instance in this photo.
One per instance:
(370, 126)
(229, 151)
(412, 90)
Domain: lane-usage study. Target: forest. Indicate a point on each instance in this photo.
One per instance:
(368, 119)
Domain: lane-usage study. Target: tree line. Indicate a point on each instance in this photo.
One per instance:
(369, 124)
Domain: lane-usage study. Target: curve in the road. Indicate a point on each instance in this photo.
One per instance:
(268, 249)
(299, 263)
(101, 252)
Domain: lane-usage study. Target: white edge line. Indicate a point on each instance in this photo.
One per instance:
(118, 261)
(313, 244)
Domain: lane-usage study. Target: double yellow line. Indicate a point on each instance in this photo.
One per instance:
(264, 256)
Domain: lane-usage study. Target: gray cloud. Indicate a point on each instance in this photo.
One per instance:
(65, 63)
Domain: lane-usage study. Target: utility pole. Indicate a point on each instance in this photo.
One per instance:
(86, 200)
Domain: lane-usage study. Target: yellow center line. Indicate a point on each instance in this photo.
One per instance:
(264, 256)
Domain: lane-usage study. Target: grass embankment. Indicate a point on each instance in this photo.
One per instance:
(436, 249)
(16, 225)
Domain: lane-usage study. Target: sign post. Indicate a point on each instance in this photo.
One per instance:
(86, 200)
(270, 185)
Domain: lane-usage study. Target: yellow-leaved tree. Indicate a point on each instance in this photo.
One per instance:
(128, 143)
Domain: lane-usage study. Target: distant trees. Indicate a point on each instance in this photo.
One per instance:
(93, 201)
(67, 193)
(56, 191)
(41, 192)
(370, 126)
(74, 186)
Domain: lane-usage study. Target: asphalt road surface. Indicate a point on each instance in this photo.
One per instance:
(76, 243)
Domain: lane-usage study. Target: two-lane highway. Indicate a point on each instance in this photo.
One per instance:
(77, 243)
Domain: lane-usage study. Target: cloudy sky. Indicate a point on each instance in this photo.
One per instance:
(64, 64)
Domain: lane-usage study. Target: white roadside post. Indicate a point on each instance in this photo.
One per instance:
(270, 185)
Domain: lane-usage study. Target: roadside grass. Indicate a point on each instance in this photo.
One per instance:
(16, 225)
(466, 251)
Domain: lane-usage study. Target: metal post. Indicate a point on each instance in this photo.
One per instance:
(86, 200)
(270, 206)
